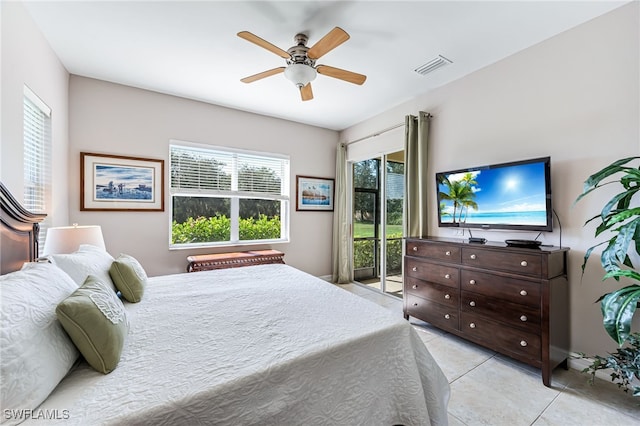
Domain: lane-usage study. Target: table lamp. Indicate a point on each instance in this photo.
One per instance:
(67, 239)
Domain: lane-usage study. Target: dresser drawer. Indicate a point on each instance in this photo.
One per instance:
(517, 262)
(432, 272)
(522, 316)
(444, 252)
(444, 295)
(506, 339)
(511, 289)
(439, 315)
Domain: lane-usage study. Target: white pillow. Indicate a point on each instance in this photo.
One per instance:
(35, 351)
(87, 260)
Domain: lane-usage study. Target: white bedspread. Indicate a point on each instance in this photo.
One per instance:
(258, 345)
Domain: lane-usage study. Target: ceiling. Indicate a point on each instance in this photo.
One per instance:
(190, 49)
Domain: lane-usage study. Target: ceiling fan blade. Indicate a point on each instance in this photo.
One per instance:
(306, 92)
(345, 75)
(262, 74)
(333, 39)
(263, 43)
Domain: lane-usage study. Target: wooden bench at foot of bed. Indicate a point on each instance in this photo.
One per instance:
(207, 262)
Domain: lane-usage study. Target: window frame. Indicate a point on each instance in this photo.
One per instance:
(233, 194)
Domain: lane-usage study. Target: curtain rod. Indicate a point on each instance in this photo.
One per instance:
(373, 135)
(395, 126)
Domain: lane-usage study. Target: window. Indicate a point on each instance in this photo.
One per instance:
(37, 158)
(223, 196)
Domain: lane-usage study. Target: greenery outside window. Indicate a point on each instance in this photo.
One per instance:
(223, 196)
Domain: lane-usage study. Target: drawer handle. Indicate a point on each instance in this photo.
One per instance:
(523, 292)
(472, 303)
(414, 269)
(472, 325)
(447, 316)
(523, 263)
(473, 256)
(415, 304)
(415, 286)
(523, 318)
(447, 296)
(472, 282)
(523, 343)
(447, 253)
(415, 248)
(447, 276)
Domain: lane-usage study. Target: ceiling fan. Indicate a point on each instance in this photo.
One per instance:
(301, 66)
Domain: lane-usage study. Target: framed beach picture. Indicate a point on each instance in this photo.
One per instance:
(315, 194)
(119, 183)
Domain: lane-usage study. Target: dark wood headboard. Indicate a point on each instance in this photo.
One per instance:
(18, 233)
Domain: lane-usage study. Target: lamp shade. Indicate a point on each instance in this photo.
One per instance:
(67, 239)
(300, 74)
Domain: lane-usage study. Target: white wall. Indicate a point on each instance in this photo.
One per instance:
(115, 119)
(574, 97)
(28, 60)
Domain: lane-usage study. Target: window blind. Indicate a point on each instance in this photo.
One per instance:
(197, 170)
(37, 158)
(221, 171)
(260, 174)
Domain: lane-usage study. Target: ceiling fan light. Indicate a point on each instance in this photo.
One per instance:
(300, 74)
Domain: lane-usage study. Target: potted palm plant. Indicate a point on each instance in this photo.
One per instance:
(619, 220)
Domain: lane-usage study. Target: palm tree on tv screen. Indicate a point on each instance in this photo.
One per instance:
(461, 193)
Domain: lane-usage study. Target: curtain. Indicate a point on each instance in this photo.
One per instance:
(342, 272)
(416, 178)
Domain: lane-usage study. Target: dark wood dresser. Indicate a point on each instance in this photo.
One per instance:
(512, 300)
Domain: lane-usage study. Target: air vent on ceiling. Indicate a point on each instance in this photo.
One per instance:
(433, 65)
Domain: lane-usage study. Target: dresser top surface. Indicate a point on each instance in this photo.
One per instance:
(489, 244)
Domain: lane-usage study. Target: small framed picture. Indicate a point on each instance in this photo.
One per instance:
(119, 183)
(314, 194)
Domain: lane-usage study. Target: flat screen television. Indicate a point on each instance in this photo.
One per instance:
(515, 195)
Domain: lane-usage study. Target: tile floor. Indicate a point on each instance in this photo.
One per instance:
(490, 389)
(393, 284)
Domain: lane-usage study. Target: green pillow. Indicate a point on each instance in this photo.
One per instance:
(96, 321)
(129, 277)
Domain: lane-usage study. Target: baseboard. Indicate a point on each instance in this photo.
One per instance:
(582, 363)
(326, 277)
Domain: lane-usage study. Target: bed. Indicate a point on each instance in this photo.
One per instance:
(257, 345)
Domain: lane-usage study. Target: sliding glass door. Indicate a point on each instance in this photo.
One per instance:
(378, 191)
(366, 220)
(394, 213)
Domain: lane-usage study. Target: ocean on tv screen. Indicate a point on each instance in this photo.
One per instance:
(496, 218)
